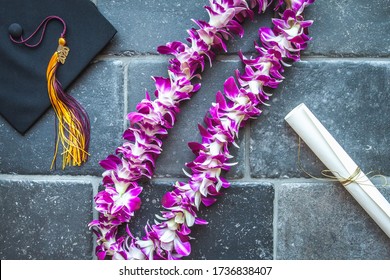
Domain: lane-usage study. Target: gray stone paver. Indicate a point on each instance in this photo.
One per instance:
(45, 219)
(323, 221)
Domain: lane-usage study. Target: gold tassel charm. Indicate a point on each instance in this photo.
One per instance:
(62, 50)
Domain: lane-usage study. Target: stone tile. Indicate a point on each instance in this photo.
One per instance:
(348, 96)
(45, 219)
(323, 221)
(139, 75)
(240, 223)
(176, 151)
(356, 28)
(144, 25)
(349, 28)
(100, 91)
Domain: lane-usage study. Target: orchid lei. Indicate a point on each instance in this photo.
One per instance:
(169, 238)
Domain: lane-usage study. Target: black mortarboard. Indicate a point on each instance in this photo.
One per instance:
(36, 37)
(23, 88)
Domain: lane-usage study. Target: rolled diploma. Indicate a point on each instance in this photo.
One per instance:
(322, 143)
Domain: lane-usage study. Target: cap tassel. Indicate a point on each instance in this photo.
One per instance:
(72, 119)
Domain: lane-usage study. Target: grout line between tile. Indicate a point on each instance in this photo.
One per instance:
(275, 220)
(125, 95)
(95, 180)
(95, 215)
(234, 58)
(247, 172)
(50, 178)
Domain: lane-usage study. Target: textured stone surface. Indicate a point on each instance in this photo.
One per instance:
(45, 219)
(240, 223)
(323, 221)
(349, 28)
(350, 98)
(144, 25)
(176, 151)
(344, 80)
(100, 91)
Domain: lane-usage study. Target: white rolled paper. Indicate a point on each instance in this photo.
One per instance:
(322, 143)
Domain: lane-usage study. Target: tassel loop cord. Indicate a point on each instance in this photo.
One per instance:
(42, 26)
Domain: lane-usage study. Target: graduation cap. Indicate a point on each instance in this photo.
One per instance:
(44, 46)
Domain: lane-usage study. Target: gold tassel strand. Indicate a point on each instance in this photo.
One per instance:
(73, 122)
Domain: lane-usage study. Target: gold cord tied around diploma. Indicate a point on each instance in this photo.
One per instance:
(344, 181)
(334, 176)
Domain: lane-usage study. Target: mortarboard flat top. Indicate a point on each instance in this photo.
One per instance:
(23, 86)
